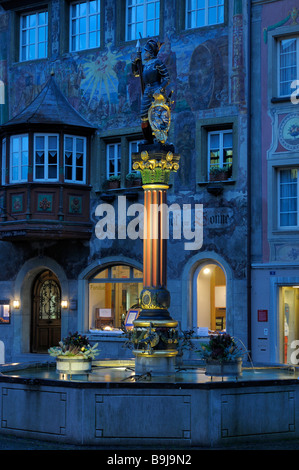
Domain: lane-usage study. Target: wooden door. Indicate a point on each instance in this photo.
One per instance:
(46, 312)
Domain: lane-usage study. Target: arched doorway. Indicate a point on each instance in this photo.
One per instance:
(210, 299)
(46, 312)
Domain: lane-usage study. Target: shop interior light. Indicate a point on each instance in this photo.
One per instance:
(206, 271)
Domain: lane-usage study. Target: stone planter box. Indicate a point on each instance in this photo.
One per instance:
(73, 365)
(224, 368)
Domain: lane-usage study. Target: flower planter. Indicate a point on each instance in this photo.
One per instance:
(113, 184)
(221, 176)
(218, 368)
(73, 365)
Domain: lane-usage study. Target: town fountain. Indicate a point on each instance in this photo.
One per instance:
(150, 401)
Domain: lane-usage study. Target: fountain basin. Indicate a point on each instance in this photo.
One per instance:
(111, 406)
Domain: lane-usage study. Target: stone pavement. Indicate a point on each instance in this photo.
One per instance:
(16, 443)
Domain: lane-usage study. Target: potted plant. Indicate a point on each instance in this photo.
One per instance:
(134, 179)
(222, 355)
(114, 182)
(220, 173)
(74, 354)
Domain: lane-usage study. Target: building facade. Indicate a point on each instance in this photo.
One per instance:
(70, 122)
(275, 159)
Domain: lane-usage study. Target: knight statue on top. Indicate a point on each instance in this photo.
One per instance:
(155, 105)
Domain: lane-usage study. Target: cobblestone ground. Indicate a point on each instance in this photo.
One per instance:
(15, 443)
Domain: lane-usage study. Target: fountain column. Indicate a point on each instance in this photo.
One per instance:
(155, 333)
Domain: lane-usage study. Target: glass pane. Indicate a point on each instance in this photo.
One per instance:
(40, 157)
(52, 172)
(79, 145)
(137, 273)
(68, 173)
(214, 141)
(120, 272)
(32, 20)
(102, 275)
(39, 172)
(24, 172)
(52, 158)
(39, 143)
(227, 140)
(79, 159)
(52, 142)
(42, 18)
(79, 174)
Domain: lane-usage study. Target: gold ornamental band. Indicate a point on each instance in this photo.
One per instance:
(166, 353)
(155, 186)
(158, 323)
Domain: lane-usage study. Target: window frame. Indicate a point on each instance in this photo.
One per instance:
(74, 166)
(36, 42)
(145, 20)
(11, 166)
(3, 161)
(46, 162)
(221, 133)
(206, 15)
(112, 280)
(278, 211)
(98, 32)
(278, 62)
(117, 146)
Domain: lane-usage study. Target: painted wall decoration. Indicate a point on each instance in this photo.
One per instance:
(289, 132)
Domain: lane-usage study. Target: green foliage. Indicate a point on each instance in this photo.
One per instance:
(74, 344)
(221, 347)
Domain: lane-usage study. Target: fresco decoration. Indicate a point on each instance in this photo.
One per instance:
(289, 132)
(101, 87)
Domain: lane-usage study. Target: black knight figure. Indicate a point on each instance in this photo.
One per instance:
(154, 78)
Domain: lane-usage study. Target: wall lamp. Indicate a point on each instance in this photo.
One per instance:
(64, 304)
(16, 304)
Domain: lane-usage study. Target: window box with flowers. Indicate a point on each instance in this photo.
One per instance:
(133, 179)
(220, 173)
(114, 182)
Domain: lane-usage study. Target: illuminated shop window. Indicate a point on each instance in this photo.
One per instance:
(288, 59)
(34, 36)
(112, 292)
(211, 298)
(204, 12)
(143, 18)
(85, 25)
